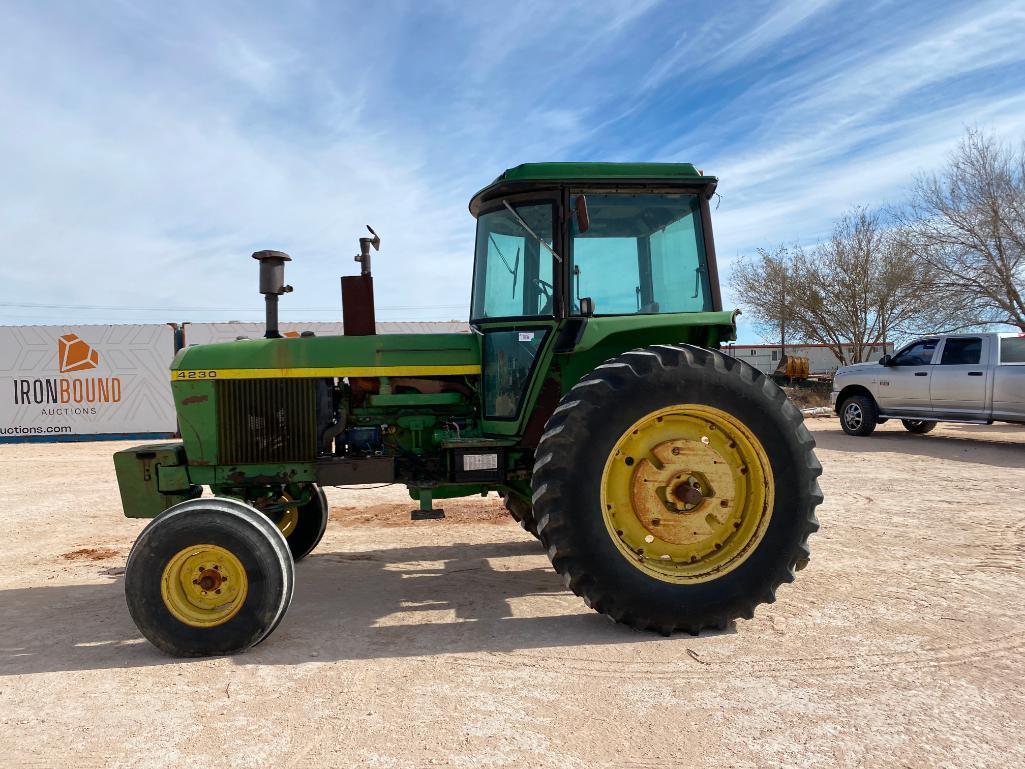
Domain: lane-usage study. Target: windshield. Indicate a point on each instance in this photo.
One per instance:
(512, 270)
(642, 253)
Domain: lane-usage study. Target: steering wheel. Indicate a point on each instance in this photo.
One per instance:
(548, 290)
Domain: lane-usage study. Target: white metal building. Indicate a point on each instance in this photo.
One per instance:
(821, 360)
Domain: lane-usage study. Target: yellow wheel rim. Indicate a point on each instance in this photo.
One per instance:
(288, 520)
(687, 493)
(204, 585)
(285, 521)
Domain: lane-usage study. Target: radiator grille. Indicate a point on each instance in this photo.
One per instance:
(266, 421)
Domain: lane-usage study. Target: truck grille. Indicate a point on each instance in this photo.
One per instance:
(262, 421)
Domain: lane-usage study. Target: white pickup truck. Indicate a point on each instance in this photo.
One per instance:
(974, 378)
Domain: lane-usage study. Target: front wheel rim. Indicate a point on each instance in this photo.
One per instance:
(854, 416)
(687, 493)
(204, 585)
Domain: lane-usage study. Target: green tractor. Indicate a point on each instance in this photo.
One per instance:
(672, 487)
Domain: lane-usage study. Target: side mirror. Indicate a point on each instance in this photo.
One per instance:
(580, 210)
(586, 306)
(885, 360)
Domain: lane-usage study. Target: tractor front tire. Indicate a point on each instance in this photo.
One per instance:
(208, 577)
(675, 489)
(918, 426)
(310, 526)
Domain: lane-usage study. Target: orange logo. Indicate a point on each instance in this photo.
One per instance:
(75, 355)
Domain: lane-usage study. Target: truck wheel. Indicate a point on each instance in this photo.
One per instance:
(522, 512)
(208, 577)
(858, 415)
(675, 489)
(920, 426)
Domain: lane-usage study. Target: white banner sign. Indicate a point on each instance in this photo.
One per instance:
(208, 333)
(85, 380)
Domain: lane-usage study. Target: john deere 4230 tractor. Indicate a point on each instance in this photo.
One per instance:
(673, 487)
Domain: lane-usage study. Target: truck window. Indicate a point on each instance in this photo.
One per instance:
(1012, 349)
(918, 354)
(962, 351)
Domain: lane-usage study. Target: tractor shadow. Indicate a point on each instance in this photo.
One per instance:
(374, 604)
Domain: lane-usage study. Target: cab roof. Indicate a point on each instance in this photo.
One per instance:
(528, 176)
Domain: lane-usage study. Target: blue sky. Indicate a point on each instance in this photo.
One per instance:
(149, 148)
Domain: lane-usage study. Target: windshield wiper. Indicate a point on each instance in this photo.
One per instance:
(526, 226)
(514, 271)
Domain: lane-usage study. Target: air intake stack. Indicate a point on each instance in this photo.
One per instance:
(272, 285)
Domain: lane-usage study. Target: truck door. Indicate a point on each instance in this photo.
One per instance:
(1009, 380)
(958, 383)
(904, 384)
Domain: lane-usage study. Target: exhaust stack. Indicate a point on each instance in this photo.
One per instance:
(358, 316)
(272, 285)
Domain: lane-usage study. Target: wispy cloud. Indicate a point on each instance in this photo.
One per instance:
(149, 148)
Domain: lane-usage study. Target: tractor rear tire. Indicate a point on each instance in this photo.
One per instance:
(859, 416)
(918, 426)
(208, 577)
(522, 512)
(675, 489)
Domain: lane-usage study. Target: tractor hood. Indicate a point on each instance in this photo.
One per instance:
(331, 356)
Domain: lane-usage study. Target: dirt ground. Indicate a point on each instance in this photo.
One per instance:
(454, 643)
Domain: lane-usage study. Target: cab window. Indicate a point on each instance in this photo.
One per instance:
(641, 254)
(512, 271)
(509, 357)
(918, 354)
(961, 351)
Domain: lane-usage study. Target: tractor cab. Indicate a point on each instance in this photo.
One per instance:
(560, 245)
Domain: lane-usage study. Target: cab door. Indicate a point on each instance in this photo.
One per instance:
(514, 305)
(904, 384)
(959, 380)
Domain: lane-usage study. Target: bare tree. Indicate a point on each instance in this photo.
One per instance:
(967, 225)
(857, 290)
(764, 282)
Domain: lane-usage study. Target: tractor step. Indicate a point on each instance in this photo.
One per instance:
(427, 511)
(426, 515)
